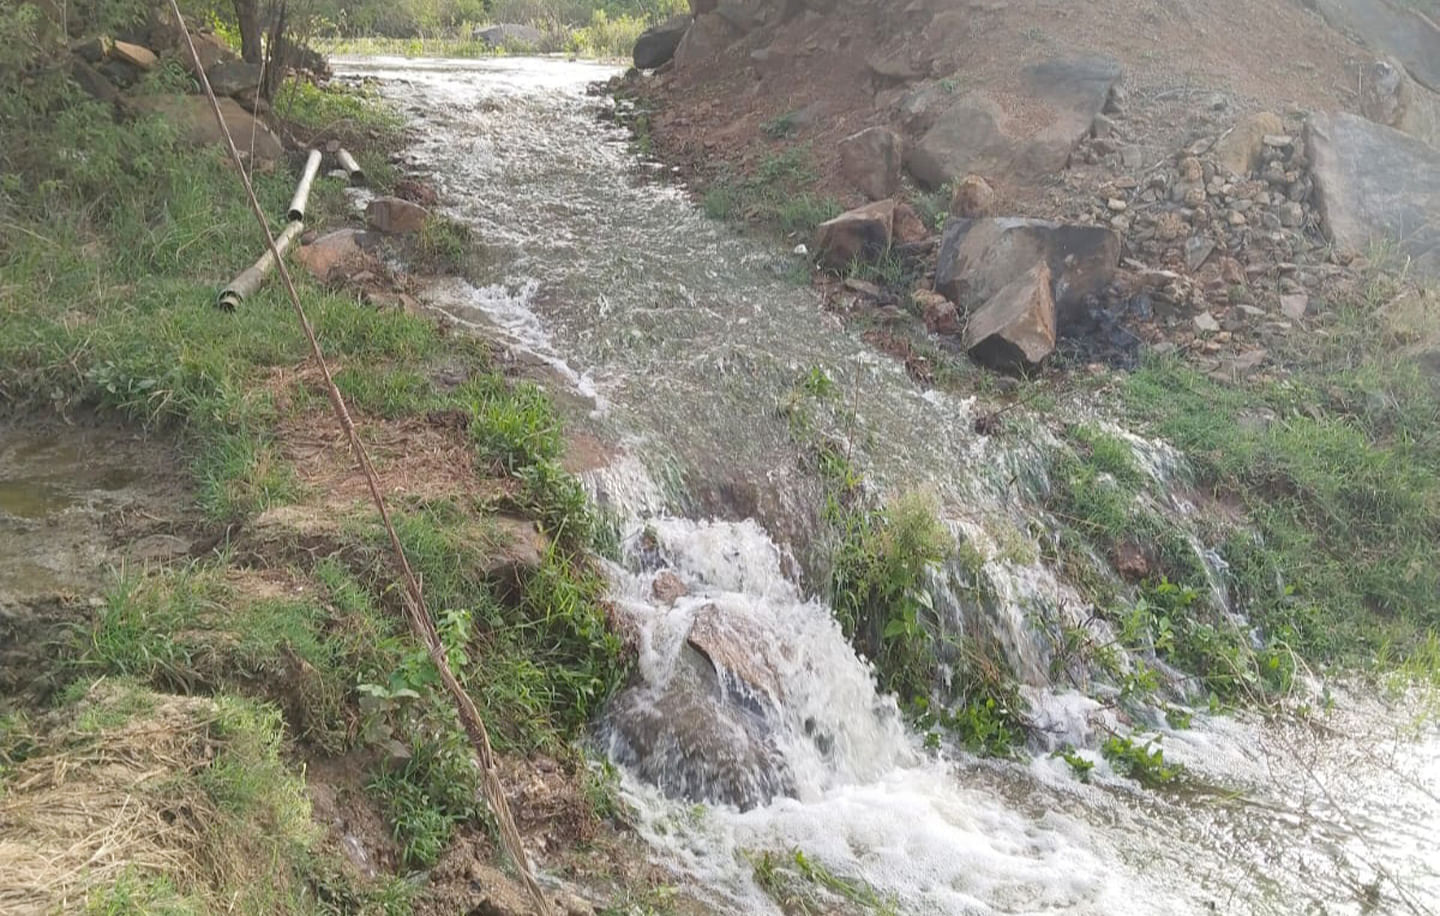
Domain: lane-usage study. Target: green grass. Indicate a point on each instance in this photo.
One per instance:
(109, 264)
(776, 193)
(1339, 471)
(800, 884)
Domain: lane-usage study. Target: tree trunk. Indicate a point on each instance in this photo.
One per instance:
(247, 12)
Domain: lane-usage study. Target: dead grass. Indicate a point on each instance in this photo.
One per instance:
(114, 800)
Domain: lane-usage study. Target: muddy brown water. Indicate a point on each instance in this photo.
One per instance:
(78, 503)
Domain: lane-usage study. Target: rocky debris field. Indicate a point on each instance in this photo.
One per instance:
(1200, 180)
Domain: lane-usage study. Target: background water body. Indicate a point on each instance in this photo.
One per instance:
(677, 338)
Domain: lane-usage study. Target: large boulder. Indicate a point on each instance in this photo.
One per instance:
(707, 36)
(862, 234)
(656, 45)
(1392, 98)
(980, 257)
(1024, 134)
(1241, 151)
(1015, 330)
(396, 216)
(1394, 28)
(1375, 184)
(510, 35)
(192, 117)
(870, 160)
(234, 77)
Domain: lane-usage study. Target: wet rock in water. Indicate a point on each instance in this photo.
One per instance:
(335, 255)
(657, 44)
(395, 216)
(194, 119)
(870, 160)
(1392, 98)
(1015, 330)
(980, 257)
(862, 234)
(233, 77)
(685, 740)
(509, 34)
(417, 192)
(668, 587)
(1242, 150)
(134, 55)
(739, 655)
(980, 133)
(1375, 184)
(973, 198)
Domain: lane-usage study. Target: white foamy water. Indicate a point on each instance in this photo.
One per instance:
(747, 694)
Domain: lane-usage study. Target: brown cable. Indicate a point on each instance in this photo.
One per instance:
(419, 618)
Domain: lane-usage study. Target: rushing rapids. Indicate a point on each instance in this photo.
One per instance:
(676, 339)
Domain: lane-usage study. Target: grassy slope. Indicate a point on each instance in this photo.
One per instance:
(109, 266)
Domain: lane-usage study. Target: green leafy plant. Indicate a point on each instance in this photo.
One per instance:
(1145, 763)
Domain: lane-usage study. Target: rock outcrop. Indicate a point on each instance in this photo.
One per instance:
(1374, 184)
(336, 254)
(1395, 29)
(979, 133)
(870, 160)
(979, 258)
(1392, 98)
(1015, 330)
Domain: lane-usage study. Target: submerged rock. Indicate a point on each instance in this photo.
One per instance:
(1015, 330)
(1375, 184)
(656, 45)
(862, 234)
(978, 258)
(870, 160)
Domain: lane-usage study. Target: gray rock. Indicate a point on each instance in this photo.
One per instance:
(1295, 305)
(1197, 250)
(93, 82)
(870, 160)
(1373, 184)
(1015, 329)
(510, 35)
(1392, 98)
(656, 45)
(862, 234)
(232, 77)
(1241, 151)
(975, 133)
(980, 257)
(1393, 29)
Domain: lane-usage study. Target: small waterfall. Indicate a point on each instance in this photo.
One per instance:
(752, 726)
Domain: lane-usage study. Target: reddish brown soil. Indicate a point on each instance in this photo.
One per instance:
(1258, 53)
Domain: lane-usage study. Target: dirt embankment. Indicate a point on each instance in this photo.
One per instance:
(1180, 128)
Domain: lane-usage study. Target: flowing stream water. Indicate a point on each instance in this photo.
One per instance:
(675, 340)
